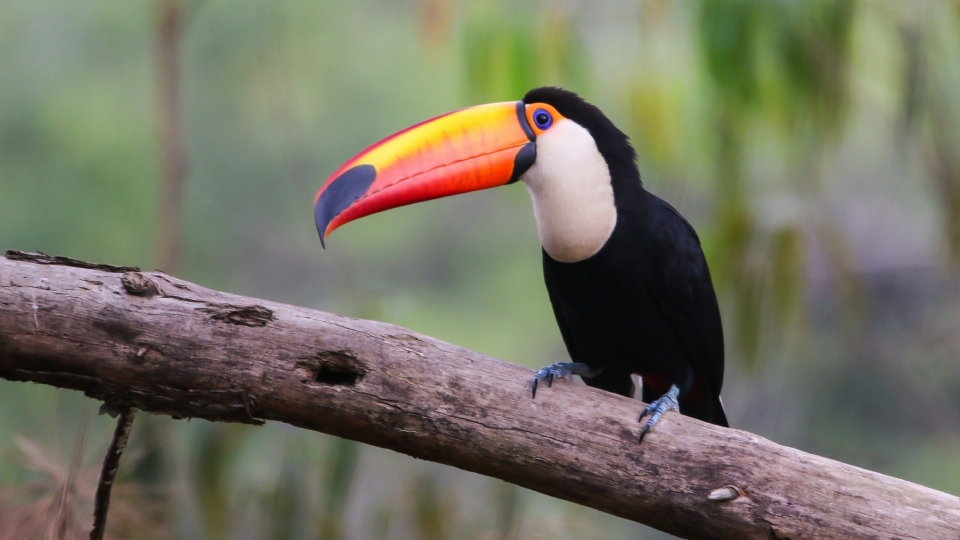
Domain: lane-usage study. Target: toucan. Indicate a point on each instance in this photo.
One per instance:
(625, 272)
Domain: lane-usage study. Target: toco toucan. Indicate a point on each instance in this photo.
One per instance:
(624, 271)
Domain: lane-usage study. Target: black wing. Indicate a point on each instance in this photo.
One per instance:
(684, 293)
(558, 313)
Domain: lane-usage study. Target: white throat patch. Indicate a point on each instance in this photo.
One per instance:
(572, 195)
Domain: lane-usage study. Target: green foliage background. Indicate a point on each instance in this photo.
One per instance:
(812, 144)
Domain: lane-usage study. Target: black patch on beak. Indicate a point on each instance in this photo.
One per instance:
(523, 161)
(343, 191)
(522, 118)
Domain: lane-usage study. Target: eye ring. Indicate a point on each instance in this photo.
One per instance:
(542, 118)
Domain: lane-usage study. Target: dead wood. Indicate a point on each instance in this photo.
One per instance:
(166, 346)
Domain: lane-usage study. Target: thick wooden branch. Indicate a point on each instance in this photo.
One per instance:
(171, 347)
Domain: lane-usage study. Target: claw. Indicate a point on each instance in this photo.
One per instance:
(560, 370)
(667, 402)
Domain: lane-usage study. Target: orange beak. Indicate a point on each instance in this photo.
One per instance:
(467, 150)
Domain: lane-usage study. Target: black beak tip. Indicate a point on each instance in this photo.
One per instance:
(343, 191)
(322, 221)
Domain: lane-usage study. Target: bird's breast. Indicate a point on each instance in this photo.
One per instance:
(572, 193)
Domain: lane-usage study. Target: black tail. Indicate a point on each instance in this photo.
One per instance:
(719, 416)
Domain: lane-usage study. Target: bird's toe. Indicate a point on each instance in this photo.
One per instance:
(550, 373)
(666, 402)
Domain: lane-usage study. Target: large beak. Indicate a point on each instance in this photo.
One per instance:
(467, 150)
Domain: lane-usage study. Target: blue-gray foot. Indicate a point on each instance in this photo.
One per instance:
(667, 402)
(562, 370)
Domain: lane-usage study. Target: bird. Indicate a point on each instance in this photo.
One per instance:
(625, 272)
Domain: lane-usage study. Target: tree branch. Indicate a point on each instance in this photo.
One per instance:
(108, 472)
(171, 347)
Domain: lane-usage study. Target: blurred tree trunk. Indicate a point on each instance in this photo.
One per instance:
(172, 347)
(155, 467)
(172, 144)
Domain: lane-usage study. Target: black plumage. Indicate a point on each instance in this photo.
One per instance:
(645, 302)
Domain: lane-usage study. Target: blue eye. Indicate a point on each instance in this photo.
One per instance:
(542, 119)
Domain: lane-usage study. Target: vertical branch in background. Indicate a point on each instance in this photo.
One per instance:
(173, 170)
(173, 159)
(111, 463)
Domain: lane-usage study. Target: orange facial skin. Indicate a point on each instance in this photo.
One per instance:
(467, 150)
(533, 108)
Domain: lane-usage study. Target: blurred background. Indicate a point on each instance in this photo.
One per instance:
(813, 144)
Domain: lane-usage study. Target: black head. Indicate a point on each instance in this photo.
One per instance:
(613, 144)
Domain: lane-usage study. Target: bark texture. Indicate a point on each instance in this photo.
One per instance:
(166, 346)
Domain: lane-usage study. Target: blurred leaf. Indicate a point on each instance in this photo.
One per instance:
(930, 115)
(728, 31)
(807, 45)
(779, 64)
(215, 455)
(656, 108)
(380, 522)
(850, 286)
(506, 56)
(432, 510)
(508, 509)
(813, 49)
(749, 310)
(341, 468)
(952, 219)
(913, 77)
(787, 271)
(500, 58)
(284, 503)
(561, 55)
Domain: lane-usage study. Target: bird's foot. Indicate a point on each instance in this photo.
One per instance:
(562, 370)
(666, 402)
